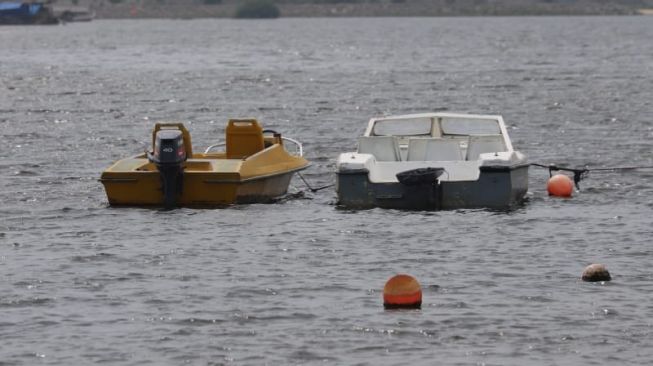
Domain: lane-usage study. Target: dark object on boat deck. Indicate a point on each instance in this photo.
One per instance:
(420, 176)
(169, 154)
(422, 187)
(596, 273)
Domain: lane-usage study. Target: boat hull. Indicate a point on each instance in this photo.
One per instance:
(197, 190)
(496, 188)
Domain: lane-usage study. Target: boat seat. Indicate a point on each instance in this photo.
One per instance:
(435, 149)
(244, 137)
(384, 148)
(480, 144)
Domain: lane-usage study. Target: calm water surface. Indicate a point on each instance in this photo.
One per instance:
(300, 282)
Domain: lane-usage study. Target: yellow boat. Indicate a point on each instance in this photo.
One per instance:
(254, 167)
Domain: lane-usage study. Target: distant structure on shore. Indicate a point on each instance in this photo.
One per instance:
(187, 9)
(73, 13)
(41, 12)
(18, 13)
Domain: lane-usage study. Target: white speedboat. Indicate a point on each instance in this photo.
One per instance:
(433, 161)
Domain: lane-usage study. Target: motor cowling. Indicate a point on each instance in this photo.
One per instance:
(168, 147)
(169, 154)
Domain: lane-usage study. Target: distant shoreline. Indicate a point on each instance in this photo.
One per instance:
(173, 11)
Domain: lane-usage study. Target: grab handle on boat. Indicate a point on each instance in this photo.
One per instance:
(300, 147)
(206, 151)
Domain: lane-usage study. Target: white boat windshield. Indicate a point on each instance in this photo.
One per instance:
(469, 126)
(403, 127)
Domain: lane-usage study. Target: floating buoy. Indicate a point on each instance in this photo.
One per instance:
(560, 185)
(595, 273)
(402, 292)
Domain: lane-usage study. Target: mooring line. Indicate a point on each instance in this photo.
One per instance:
(581, 173)
(311, 188)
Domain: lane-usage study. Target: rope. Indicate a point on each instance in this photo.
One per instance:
(621, 168)
(311, 188)
(582, 173)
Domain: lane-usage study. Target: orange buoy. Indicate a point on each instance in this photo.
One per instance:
(560, 185)
(402, 292)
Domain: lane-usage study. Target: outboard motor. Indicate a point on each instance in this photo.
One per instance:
(169, 154)
(421, 187)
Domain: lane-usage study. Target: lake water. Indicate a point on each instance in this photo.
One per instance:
(300, 282)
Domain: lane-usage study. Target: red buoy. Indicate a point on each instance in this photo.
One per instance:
(402, 292)
(560, 185)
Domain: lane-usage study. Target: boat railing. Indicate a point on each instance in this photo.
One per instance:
(206, 151)
(300, 147)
